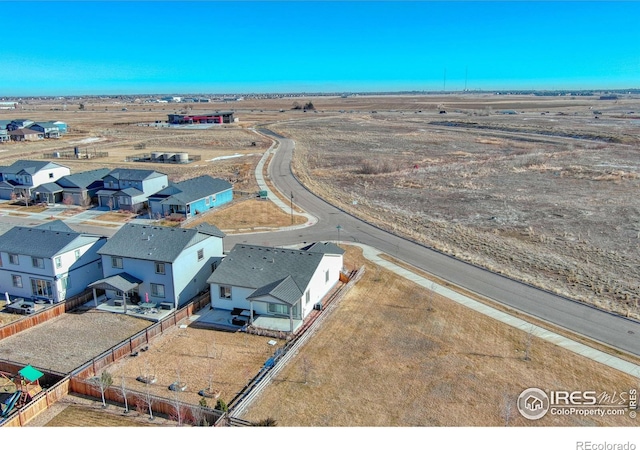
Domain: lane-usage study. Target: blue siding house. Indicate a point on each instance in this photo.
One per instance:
(191, 197)
(167, 264)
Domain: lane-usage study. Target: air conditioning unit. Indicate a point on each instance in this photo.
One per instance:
(318, 306)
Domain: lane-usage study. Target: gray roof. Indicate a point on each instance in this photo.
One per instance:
(28, 166)
(50, 188)
(83, 179)
(254, 266)
(194, 189)
(122, 282)
(285, 290)
(324, 247)
(210, 229)
(36, 242)
(55, 225)
(151, 243)
(134, 174)
(131, 192)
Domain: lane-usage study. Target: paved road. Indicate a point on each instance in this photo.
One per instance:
(610, 329)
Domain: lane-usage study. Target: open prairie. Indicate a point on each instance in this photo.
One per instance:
(543, 191)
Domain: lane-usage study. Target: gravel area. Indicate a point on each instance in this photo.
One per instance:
(68, 341)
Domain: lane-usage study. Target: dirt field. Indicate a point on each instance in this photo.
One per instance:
(547, 199)
(196, 357)
(66, 342)
(393, 354)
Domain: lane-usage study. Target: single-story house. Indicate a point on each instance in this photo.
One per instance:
(275, 283)
(191, 197)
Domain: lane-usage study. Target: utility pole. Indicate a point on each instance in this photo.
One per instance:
(339, 228)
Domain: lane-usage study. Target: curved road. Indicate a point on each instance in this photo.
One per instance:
(613, 330)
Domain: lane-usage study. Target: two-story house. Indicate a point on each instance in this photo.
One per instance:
(49, 129)
(191, 197)
(50, 262)
(82, 187)
(23, 176)
(166, 264)
(130, 188)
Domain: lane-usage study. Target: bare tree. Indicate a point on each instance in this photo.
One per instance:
(67, 200)
(527, 344)
(110, 204)
(103, 382)
(507, 408)
(123, 393)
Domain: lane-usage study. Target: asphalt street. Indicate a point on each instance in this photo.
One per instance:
(336, 225)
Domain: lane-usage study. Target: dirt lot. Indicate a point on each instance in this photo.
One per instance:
(393, 354)
(66, 342)
(196, 357)
(547, 199)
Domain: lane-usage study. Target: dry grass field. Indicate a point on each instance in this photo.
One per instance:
(393, 354)
(247, 216)
(547, 199)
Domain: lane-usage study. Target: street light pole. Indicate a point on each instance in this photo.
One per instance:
(291, 207)
(339, 228)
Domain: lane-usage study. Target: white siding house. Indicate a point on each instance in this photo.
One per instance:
(48, 263)
(23, 177)
(275, 282)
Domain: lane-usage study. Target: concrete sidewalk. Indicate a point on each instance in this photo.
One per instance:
(311, 220)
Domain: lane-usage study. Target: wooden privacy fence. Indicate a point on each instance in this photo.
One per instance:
(40, 402)
(162, 406)
(243, 400)
(49, 313)
(140, 401)
(144, 337)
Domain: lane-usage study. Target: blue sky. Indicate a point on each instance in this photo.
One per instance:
(80, 48)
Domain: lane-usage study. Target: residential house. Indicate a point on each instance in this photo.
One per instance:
(50, 262)
(4, 135)
(25, 134)
(17, 124)
(49, 129)
(82, 187)
(23, 177)
(167, 264)
(191, 197)
(130, 188)
(275, 283)
(62, 126)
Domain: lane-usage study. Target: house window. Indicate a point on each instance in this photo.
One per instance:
(0, 259)
(37, 262)
(225, 292)
(308, 298)
(41, 288)
(160, 268)
(157, 290)
(65, 282)
(13, 259)
(207, 201)
(277, 308)
(17, 281)
(77, 254)
(200, 254)
(50, 174)
(116, 262)
(326, 276)
(58, 261)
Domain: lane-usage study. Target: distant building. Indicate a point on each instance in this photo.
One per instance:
(212, 117)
